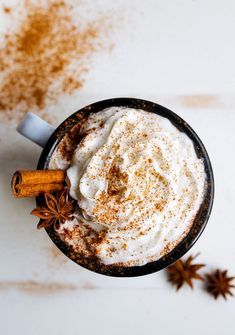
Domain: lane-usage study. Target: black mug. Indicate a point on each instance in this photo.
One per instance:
(45, 135)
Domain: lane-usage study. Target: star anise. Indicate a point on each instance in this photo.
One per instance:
(56, 211)
(184, 272)
(218, 283)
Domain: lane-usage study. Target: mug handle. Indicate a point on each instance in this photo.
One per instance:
(35, 129)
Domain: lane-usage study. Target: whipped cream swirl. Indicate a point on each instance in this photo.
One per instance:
(138, 181)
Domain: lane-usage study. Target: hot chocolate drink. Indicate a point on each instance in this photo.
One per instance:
(138, 184)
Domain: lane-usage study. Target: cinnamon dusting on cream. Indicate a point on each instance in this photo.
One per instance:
(138, 183)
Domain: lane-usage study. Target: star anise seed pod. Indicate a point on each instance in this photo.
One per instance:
(56, 211)
(184, 272)
(218, 283)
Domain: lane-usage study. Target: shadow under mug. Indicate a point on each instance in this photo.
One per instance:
(48, 137)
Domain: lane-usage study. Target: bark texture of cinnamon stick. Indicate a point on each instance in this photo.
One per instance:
(32, 183)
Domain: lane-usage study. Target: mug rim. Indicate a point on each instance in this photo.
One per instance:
(202, 216)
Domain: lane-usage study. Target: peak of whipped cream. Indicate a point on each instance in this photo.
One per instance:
(138, 183)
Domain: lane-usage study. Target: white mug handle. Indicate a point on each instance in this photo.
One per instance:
(35, 129)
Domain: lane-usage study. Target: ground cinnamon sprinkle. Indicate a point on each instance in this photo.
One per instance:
(7, 10)
(45, 56)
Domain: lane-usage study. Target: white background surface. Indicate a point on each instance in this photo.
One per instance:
(179, 54)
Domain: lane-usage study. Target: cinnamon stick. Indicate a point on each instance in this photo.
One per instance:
(35, 182)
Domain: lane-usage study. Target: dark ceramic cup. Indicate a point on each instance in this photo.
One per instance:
(45, 135)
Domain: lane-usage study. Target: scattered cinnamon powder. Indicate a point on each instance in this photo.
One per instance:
(117, 181)
(46, 55)
(7, 10)
(199, 101)
(37, 287)
(31, 286)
